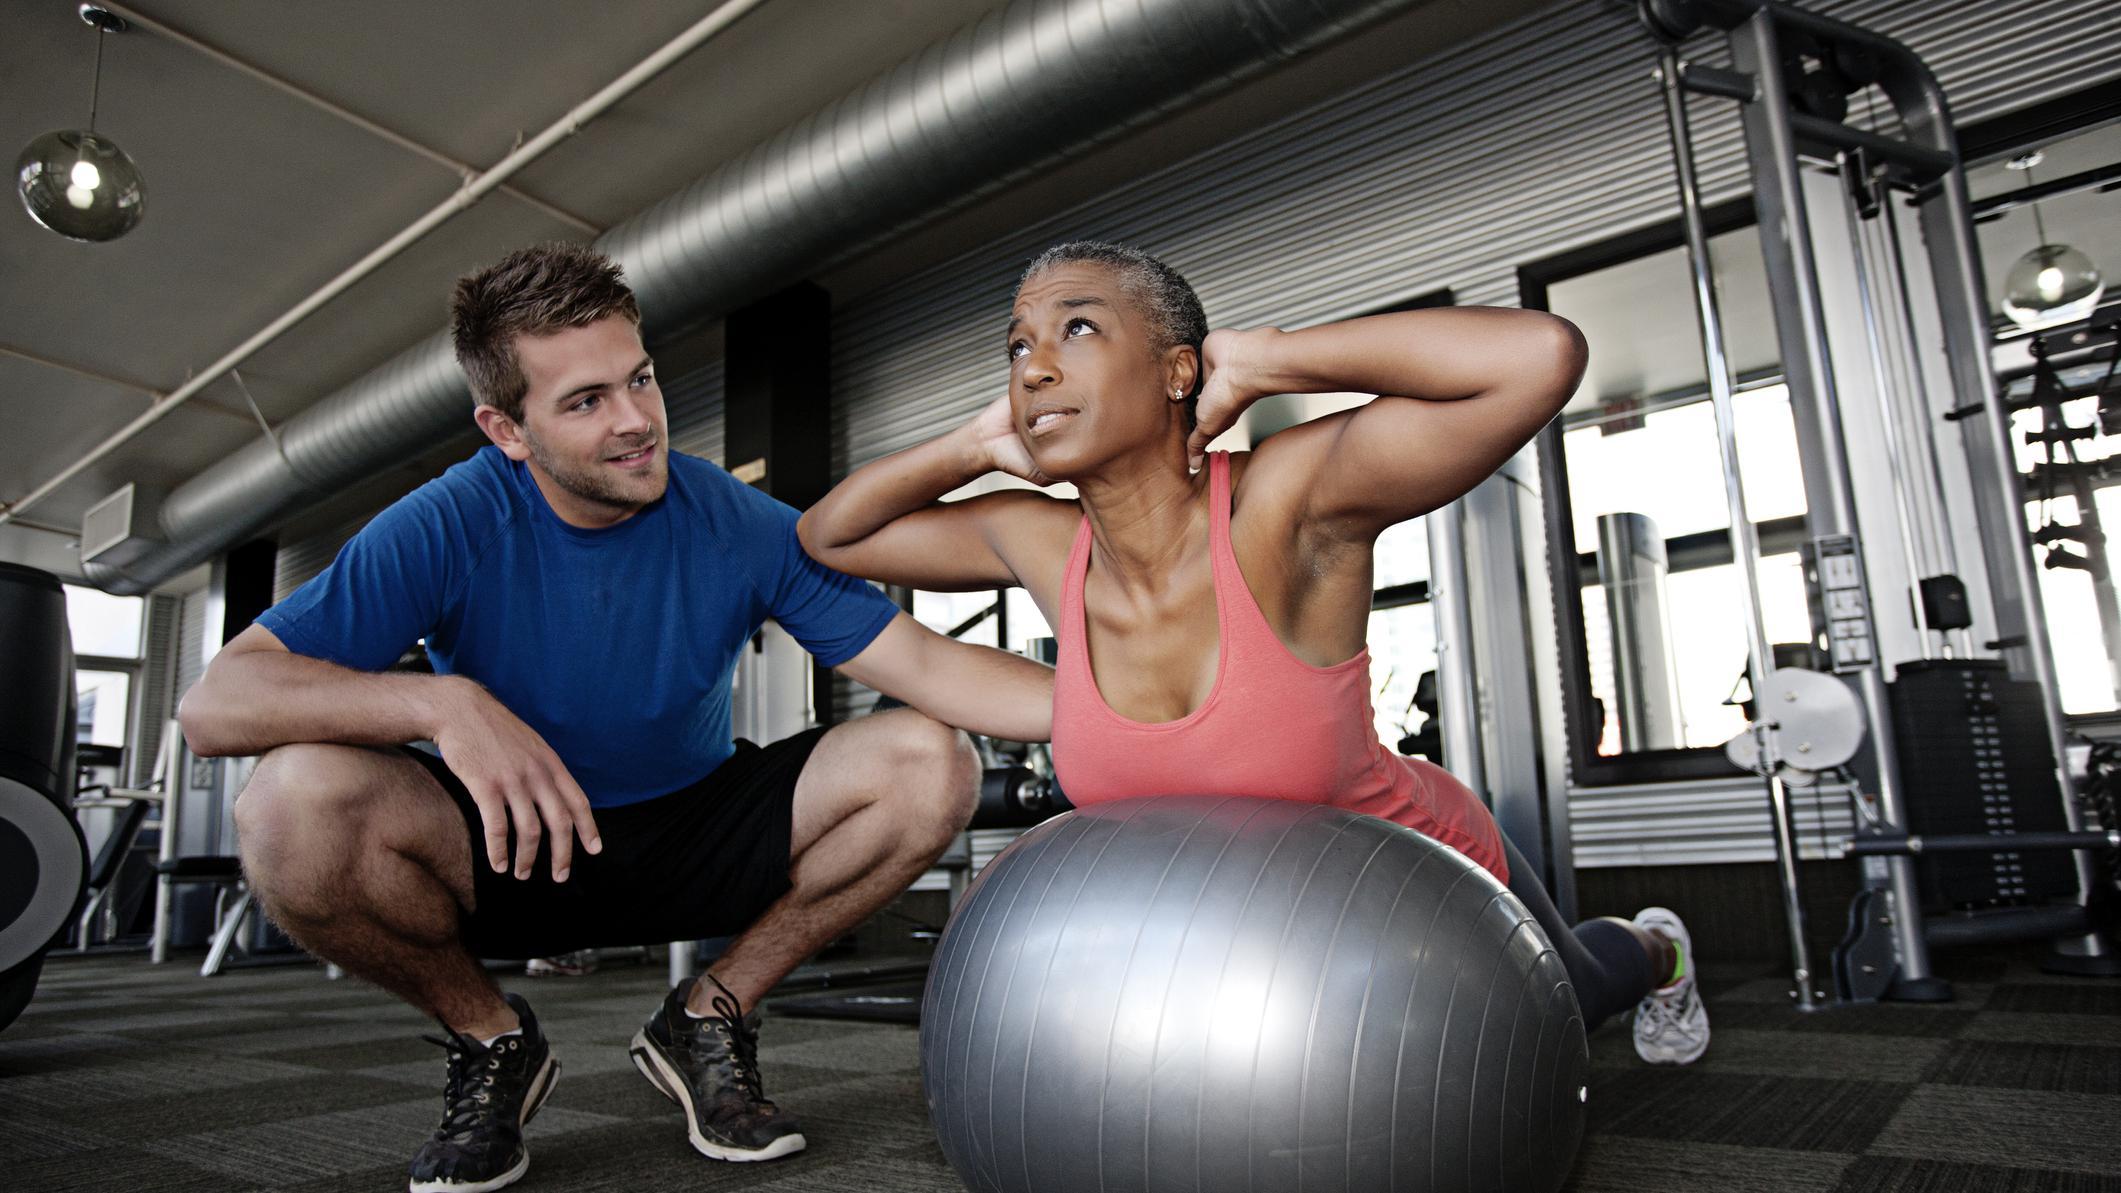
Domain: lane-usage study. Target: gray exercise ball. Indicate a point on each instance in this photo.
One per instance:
(1227, 995)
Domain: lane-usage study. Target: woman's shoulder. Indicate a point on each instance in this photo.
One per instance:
(1028, 510)
(1034, 532)
(1264, 486)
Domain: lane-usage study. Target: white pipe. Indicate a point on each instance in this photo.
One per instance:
(472, 191)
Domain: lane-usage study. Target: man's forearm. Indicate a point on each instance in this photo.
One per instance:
(250, 702)
(988, 691)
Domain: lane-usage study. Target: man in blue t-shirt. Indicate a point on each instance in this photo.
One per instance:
(583, 594)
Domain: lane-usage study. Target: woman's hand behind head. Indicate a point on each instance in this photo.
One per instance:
(1236, 376)
(994, 432)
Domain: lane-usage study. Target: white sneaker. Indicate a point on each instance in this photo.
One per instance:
(580, 963)
(1671, 1025)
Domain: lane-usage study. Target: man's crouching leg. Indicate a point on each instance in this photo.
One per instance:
(877, 802)
(362, 858)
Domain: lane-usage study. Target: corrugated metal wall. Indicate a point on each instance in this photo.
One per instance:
(693, 404)
(1544, 136)
(191, 642)
(294, 563)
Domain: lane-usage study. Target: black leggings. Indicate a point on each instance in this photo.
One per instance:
(1606, 963)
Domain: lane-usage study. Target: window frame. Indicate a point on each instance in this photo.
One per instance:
(1588, 768)
(132, 669)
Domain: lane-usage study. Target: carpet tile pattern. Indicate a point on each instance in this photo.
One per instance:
(122, 1075)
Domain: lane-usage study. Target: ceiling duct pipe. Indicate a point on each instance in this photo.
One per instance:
(1025, 86)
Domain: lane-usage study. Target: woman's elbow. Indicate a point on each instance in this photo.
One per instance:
(810, 535)
(1568, 351)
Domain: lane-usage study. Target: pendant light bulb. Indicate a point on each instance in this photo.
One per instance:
(76, 181)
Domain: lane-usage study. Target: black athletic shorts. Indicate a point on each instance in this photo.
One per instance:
(701, 862)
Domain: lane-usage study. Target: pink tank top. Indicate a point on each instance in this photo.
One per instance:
(1273, 726)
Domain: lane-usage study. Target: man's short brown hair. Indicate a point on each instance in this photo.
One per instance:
(534, 291)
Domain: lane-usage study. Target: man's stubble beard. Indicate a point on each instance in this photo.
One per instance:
(592, 485)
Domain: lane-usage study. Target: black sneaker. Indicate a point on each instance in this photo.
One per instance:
(492, 1093)
(710, 1068)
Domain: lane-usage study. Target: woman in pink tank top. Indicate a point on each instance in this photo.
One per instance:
(1211, 608)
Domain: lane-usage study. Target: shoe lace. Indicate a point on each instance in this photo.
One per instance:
(1655, 1014)
(1669, 1012)
(1683, 1010)
(743, 1042)
(467, 1097)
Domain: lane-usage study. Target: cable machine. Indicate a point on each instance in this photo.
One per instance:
(1967, 825)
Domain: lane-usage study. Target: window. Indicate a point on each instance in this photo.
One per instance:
(2073, 507)
(103, 698)
(1402, 555)
(1009, 611)
(103, 624)
(2070, 594)
(1025, 620)
(944, 612)
(1402, 648)
(107, 640)
(1663, 465)
(1639, 438)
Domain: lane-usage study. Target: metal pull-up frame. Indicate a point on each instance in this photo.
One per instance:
(1773, 48)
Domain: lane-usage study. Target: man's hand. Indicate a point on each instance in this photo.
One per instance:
(513, 776)
(1235, 374)
(993, 435)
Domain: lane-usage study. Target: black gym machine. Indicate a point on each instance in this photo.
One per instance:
(1968, 829)
(43, 858)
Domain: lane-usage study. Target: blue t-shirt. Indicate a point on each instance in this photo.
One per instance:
(616, 645)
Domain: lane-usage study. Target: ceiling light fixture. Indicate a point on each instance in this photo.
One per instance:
(77, 182)
(2054, 283)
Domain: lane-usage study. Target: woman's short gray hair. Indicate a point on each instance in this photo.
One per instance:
(1174, 311)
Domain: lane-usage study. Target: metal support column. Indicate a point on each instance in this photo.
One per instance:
(1793, 284)
(1745, 546)
(1498, 542)
(1457, 693)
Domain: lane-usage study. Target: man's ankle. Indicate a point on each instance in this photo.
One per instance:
(497, 1022)
(700, 1000)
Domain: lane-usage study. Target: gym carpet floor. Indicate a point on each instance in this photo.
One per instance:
(123, 1076)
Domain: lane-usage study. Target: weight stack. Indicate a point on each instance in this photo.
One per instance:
(1974, 758)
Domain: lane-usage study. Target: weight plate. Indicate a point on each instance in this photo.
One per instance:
(32, 919)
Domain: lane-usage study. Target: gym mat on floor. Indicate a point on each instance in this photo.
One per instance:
(125, 1076)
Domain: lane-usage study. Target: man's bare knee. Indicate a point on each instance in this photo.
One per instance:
(296, 793)
(313, 808)
(935, 774)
